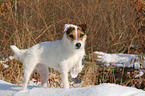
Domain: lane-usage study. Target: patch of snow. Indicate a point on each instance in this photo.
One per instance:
(33, 82)
(106, 89)
(2, 61)
(120, 60)
(140, 74)
(11, 57)
(5, 60)
(4, 82)
(5, 65)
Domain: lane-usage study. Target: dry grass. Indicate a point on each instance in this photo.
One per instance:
(14, 73)
(113, 26)
(95, 72)
(110, 24)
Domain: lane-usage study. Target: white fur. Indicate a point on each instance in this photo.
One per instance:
(60, 55)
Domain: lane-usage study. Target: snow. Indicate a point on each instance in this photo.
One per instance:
(33, 82)
(106, 89)
(139, 75)
(5, 60)
(5, 65)
(11, 57)
(121, 60)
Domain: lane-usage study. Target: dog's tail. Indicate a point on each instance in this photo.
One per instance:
(18, 53)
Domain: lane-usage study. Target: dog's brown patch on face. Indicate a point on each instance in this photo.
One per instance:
(71, 34)
(80, 35)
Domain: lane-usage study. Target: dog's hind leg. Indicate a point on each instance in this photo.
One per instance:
(29, 66)
(43, 70)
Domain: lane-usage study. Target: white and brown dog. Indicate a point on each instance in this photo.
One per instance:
(63, 55)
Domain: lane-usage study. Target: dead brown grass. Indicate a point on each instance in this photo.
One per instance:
(27, 22)
(95, 73)
(12, 74)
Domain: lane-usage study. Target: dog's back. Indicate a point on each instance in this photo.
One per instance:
(49, 53)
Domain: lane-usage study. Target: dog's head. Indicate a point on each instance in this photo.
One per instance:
(75, 35)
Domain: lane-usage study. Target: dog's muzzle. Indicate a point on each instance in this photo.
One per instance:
(78, 45)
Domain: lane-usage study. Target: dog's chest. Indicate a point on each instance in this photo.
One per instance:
(72, 60)
(67, 60)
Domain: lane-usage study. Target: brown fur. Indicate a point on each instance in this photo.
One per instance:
(73, 33)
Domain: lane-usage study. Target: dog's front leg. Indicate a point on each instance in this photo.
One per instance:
(64, 78)
(76, 69)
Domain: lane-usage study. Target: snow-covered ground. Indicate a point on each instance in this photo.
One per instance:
(121, 60)
(106, 89)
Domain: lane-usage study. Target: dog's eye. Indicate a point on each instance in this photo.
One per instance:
(71, 36)
(81, 35)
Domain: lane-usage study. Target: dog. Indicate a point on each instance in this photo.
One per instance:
(64, 55)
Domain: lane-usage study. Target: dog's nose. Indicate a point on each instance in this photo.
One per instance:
(78, 45)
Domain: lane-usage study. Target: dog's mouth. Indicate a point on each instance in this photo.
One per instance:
(78, 45)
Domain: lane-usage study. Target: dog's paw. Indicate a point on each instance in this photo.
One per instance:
(73, 75)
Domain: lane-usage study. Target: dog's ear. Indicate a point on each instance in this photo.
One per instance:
(83, 26)
(69, 30)
(67, 26)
